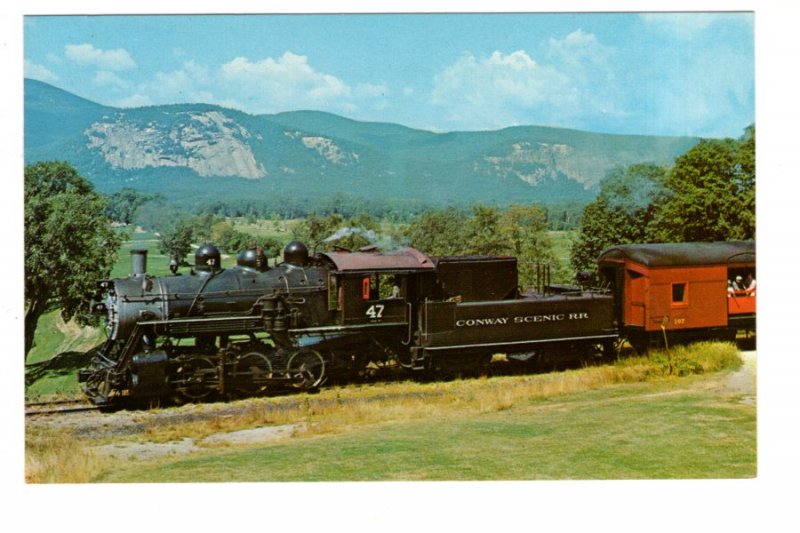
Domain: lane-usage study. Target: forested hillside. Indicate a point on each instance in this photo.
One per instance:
(223, 159)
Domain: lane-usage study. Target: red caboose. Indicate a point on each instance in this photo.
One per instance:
(681, 291)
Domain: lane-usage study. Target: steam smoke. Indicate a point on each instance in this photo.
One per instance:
(341, 233)
(384, 242)
(636, 193)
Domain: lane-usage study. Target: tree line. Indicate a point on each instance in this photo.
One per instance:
(707, 195)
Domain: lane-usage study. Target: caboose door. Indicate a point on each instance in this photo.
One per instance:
(636, 291)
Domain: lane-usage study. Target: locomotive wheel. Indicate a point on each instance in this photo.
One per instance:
(251, 371)
(196, 378)
(306, 368)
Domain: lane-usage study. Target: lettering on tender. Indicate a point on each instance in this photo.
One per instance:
(524, 319)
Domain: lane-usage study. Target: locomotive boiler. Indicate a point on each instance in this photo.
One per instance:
(251, 329)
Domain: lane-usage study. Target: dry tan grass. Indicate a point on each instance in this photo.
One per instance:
(58, 457)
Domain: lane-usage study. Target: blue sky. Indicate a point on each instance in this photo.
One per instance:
(664, 74)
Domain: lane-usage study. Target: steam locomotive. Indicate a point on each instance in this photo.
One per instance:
(253, 328)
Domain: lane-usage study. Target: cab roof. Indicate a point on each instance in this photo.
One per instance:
(406, 259)
(682, 254)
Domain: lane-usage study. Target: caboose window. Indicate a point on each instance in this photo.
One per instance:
(679, 293)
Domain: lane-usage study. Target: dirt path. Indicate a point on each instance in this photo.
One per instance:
(741, 383)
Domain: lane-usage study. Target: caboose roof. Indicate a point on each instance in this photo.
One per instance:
(682, 254)
(403, 260)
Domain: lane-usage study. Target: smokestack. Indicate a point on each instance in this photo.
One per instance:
(139, 262)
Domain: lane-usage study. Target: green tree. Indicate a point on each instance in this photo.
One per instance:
(622, 213)
(69, 243)
(314, 229)
(712, 193)
(523, 230)
(483, 232)
(176, 238)
(123, 204)
(272, 248)
(439, 232)
(203, 227)
(229, 239)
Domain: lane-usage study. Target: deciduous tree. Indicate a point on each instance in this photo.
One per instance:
(69, 243)
(439, 232)
(524, 232)
(123, 204)
(177, 237)
(712, 190)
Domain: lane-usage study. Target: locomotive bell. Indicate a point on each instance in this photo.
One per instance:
(296, 253)
(207, 258)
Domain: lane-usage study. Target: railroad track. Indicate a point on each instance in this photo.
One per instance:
(58, 407)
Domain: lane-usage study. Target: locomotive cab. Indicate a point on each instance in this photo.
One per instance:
(377, 289)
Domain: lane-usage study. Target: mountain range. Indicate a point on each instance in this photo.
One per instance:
(202, 153)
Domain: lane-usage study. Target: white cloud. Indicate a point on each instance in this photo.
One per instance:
(572, 80)
(186, 85)
(38, 72)
(508, 77)
(288, 82)
(498, 90)
(86, 54)
(580, 54)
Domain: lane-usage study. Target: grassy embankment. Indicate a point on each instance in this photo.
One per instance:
(627, 420)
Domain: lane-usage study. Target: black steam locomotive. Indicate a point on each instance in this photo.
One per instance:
(254, 328)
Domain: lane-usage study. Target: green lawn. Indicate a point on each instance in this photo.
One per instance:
(59, 351)
(645, 431)
(562, 245)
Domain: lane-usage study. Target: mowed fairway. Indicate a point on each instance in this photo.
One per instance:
(694, 427)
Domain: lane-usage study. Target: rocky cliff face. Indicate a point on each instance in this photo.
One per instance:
(209, 143)
(533, 162)
(325, 147)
